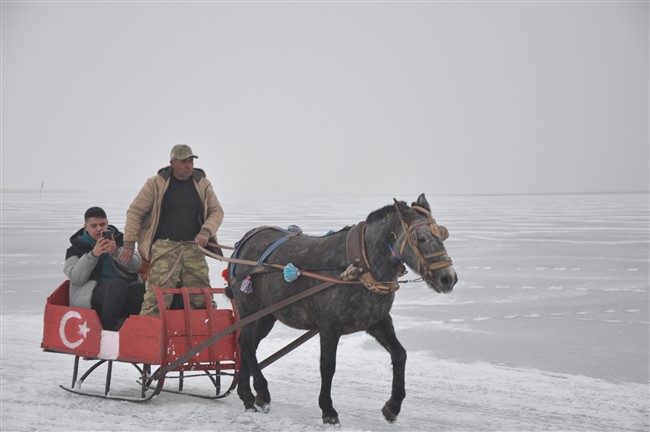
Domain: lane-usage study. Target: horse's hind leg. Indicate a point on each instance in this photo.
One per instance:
(246, 351)
(384, 332)
(263, 398)
(249, 340)
(329, 341)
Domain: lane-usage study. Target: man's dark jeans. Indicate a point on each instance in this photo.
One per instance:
(116, 299)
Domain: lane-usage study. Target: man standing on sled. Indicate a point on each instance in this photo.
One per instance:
(175, 211)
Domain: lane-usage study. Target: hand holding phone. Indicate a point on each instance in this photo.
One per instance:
(105, 244)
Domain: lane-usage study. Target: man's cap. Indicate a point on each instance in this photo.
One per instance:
(181, 151)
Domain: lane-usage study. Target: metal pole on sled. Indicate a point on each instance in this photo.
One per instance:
(287, 349)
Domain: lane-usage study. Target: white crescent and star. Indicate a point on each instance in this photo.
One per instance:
(83, 330)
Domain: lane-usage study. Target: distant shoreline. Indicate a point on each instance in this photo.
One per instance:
(25, 190)
(56, 191)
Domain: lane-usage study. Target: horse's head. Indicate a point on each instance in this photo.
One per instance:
(421, 245)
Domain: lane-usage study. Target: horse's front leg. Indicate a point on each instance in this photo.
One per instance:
(384, 332)
(329, 341)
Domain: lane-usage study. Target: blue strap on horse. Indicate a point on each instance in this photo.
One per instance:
(291, 231)
(273, 246)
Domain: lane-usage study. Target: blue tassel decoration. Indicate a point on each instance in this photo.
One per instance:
(291, 273)
(247, 285)
(329, 233)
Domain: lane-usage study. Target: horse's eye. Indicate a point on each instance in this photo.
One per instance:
(421, 239)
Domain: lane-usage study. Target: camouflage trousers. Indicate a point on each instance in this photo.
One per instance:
(172, 263)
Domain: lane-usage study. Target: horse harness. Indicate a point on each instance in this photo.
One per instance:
(359, 268)
(410, 237)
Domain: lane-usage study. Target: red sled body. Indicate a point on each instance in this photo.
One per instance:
(147, 340)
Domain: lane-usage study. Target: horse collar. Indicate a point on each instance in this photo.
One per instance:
(360, 267)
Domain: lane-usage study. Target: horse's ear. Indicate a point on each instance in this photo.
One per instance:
(422, 202)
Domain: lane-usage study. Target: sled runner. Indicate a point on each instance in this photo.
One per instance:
(145, 342)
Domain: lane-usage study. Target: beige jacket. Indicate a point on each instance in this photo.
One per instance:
(143, 215)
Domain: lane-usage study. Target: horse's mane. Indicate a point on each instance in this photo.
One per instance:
(381, 213)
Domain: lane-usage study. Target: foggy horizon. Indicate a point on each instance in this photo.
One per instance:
(328, 98)
(135, 190)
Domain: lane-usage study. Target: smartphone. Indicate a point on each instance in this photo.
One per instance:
(108, 234)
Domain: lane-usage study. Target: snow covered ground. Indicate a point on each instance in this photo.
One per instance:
(547, 329)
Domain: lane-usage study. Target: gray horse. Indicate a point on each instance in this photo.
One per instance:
(372, 254)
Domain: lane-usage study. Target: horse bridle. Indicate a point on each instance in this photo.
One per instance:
(410, 237)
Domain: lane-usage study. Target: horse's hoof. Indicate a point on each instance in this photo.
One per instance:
(389, 415)
(250, 406)
(262, 404)
(263, 408)
(334, 421)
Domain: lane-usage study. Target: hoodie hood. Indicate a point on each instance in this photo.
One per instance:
(166, 173)
(77, 239)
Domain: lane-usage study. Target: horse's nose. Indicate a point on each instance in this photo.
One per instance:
(448, 281)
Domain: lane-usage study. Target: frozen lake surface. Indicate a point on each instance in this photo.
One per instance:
(547, 328)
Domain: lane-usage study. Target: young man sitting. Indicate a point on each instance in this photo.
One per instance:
(98, 280)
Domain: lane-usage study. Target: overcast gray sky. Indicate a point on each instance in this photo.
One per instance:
(328, 98)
